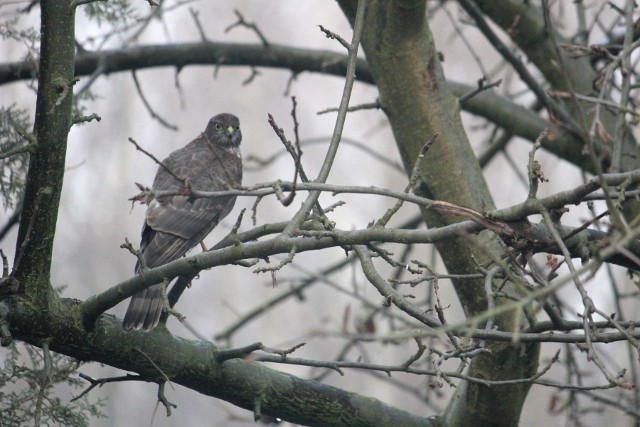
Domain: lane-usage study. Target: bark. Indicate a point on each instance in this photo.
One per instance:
(47, 161)
(158, 356)
(418, 103)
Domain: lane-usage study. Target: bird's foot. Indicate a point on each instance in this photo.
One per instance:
(167, 307)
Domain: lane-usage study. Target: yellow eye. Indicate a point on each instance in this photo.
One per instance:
(218, 126)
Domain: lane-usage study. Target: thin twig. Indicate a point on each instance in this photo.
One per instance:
(482, 86)
(241, 22)
(331, 35)
(367, 106)
(150, 109)
(183, 180)
(327, 164)
(413, 181)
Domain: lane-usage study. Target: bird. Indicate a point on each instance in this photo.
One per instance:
(175, 224)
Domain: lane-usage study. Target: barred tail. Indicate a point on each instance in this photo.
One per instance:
(144, 309)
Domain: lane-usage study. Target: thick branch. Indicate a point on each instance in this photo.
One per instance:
(499, 110)
(413, 93)
(191, 265)
(46, 166)
(194, 365)
(180, 55)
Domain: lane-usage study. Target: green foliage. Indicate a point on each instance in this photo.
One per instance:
(112, 12)
(27, 394)
(14, 158)
(10, 31)
(29, 37)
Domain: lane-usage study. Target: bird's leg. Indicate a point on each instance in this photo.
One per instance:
(166, 306)
(204, 249)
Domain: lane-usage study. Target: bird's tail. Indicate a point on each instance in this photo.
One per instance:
(144, 309)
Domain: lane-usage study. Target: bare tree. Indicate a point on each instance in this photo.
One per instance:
(539, 300)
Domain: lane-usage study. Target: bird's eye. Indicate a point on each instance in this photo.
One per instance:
(218, 126)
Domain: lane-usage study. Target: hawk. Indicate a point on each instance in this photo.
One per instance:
(175, 224)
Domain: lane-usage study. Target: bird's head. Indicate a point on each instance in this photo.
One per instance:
(224, 130)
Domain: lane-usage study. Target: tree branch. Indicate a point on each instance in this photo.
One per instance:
(47, 162)
(504, 113)
(193, 365)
